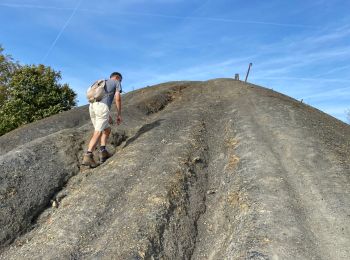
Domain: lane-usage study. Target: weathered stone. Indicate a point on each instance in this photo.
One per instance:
(202, 170)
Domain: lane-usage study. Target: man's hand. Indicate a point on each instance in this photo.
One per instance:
(110, 120)
(119, 120)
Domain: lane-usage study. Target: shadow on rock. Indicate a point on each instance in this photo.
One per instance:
(145, 128)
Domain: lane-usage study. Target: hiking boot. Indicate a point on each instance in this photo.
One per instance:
(88, 160)
(105, 155)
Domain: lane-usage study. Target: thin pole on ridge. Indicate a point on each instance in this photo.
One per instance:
(246, 77)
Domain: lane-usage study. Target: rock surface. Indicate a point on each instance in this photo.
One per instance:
(202, 170)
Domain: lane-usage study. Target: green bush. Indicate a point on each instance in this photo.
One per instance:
(29, 93)
(7, 67)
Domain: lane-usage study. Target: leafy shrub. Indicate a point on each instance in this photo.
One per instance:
(29, 93)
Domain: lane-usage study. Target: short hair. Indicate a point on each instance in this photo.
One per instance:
(116, 74)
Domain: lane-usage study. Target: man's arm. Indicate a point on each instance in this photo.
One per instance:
(118, 104)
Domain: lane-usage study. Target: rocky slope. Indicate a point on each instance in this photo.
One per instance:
(202, 170)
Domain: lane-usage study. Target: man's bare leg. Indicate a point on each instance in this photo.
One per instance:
(104, 153)
(94, 141)
(105, 135)
(88, 159)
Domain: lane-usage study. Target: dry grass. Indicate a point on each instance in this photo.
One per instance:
(235, 199)
(233, 161)
(231, 142)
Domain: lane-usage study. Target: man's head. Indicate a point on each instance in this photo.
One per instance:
(116, 76)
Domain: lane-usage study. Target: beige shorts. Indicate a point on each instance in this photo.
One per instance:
(99, 113)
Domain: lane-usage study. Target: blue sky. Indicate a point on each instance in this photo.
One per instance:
(299, 48)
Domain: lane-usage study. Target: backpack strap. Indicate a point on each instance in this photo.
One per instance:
(110, 93)
(107, 93)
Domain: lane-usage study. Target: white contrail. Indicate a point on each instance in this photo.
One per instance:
(305, 79)
(61, 31)
(34, 6)
(213, 19)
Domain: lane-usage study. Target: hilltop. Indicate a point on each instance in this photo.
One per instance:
(218, 169)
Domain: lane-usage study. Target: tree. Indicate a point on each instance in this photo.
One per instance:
(7, 67)
(32, 93)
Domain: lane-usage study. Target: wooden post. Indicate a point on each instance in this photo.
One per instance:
(246, 78)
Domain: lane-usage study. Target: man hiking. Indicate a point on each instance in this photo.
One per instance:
(99, 110)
